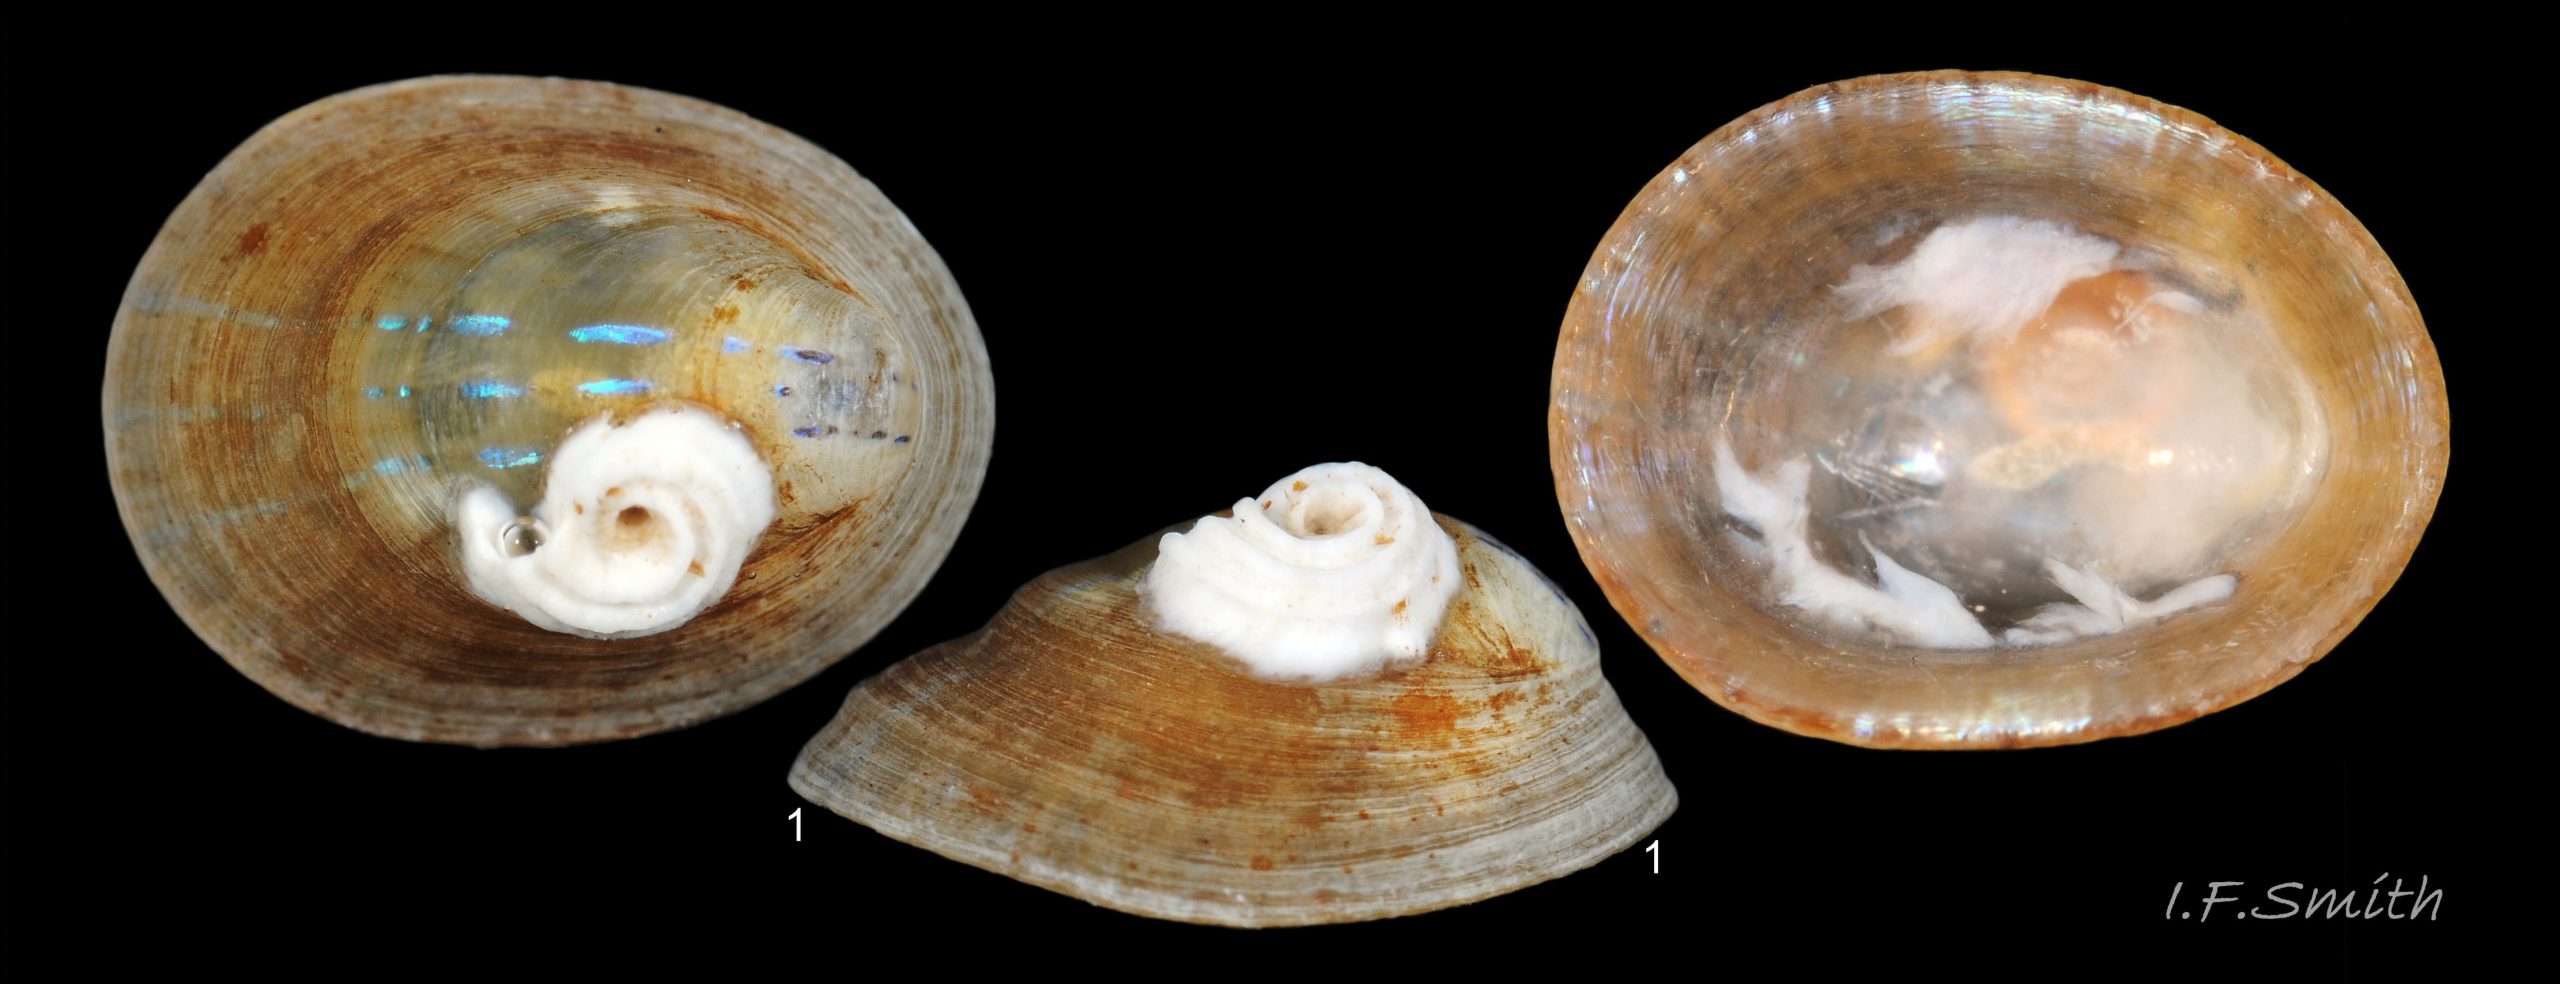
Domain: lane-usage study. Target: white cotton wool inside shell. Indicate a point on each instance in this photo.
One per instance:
(1334, 571)
(1979, 280)
(642, 525)
(2104, 608)
(1908, 606)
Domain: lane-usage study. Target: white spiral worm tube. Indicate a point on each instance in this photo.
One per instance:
(642, 525)
(1334, 571)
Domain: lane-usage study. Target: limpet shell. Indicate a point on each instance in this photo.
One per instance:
(1697, 321)
(395, 295)
(1072, 745)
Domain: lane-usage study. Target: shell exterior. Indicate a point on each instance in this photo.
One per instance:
(1681, 331)
(397, 294)
(1071, 746)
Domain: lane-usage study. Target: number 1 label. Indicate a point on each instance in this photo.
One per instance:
(1654, 849)
(795, 826)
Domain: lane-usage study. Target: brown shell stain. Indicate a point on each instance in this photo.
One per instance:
(389, 179)
(1423, 715)
(1172, 757)
(809, 264)
(252, 242)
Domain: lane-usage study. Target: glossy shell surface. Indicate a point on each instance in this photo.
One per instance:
(399, 293)
(1691, 319)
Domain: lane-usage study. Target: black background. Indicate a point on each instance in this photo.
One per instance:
(1200, 272)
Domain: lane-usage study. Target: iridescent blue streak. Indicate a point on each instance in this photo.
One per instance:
(614, 387)
(373, 392)
(619, 334)
(489, 389)
(735, 344)
(509, 457)
(404, 392)
(394, 466)
(392, 324)
(480, 324)
(809, 355)
(377, 392)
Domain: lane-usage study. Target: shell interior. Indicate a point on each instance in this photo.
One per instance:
(2180, 482)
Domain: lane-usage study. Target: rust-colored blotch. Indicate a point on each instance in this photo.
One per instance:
(1072, 746)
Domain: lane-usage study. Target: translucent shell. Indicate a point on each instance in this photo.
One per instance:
(396, 296)
(1830, 401)
(1071, 745)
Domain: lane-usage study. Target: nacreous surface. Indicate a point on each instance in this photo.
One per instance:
(395, 298)
(1959, 410)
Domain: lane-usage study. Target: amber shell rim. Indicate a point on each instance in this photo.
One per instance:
(2374, 265)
